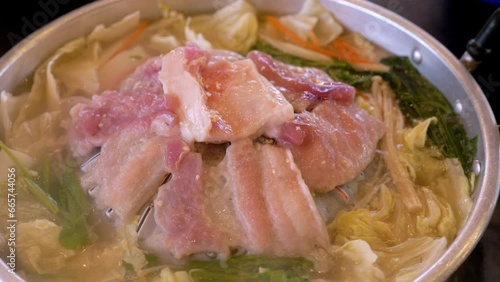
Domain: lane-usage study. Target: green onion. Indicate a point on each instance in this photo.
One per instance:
(74, 234)
(41, 195)
(251, 268)
(16, 161)
(60, 191)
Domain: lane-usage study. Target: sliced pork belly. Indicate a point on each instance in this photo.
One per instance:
(221, 98)
(130, 168)
(332, 144)
(303, 87)
(244, 173)
(180, 211)
(297, 224)
(139, 100)
(144, 77)
(255, 200)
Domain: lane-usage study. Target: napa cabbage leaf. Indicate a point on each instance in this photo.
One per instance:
(233, 27)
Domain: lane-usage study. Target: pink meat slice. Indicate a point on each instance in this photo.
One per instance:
(180, 211)
(255, 200)
(139, 100)
(221, 98)
(130, 168)
(144, 77)
(297, 224)
(244, 173)
(332, 144)
(303, 87)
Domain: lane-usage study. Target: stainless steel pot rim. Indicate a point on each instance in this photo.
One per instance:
(14, 67)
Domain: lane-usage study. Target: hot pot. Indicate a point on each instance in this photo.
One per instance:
(381, 26)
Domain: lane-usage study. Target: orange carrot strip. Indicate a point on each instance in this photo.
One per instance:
(294, 37)
(348, 51)
(342, 193)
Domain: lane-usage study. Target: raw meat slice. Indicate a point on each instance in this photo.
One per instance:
(244, 173)
(303, 87)
(332, 144)
(139, 100)
(130, 168)
(297, 224)
(220, 99)
(254, 199)
(180, 211)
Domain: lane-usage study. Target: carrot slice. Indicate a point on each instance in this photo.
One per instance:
(294, 37)
(348, 51)
(342, 193)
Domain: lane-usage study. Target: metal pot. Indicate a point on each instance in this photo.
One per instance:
(381, 26)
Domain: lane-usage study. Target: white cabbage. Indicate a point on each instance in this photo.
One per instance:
(327, 28)
(116, 30)
(415, 137)
(408, 260)
(294, 49)
(10, 106)
(45, 95)
(445, 177)
(311, 19)
(40, 134)
(234, 27)
(395, 236)
(198, 38)
(6, 162)
(437, 218)
(455, 188)
(132, 254)
(39, 117)
(168, 275)
(302, 25)
(38, 246)
(78, 75)
(352, 261)
(70, 72)
(164, 43)
(167, 33)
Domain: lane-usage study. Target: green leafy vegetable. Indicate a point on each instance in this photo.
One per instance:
(74, 234)
(419, 100)
(251, 268)
(57, 187)
(151, 259)
(128, 266)
(416, 96)
(41, 195)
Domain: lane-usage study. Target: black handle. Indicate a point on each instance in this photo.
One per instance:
(479, 48)
(487, 39)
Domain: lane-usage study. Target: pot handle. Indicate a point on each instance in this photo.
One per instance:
(480, 47)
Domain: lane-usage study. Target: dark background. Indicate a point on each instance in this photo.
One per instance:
(452, 22)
